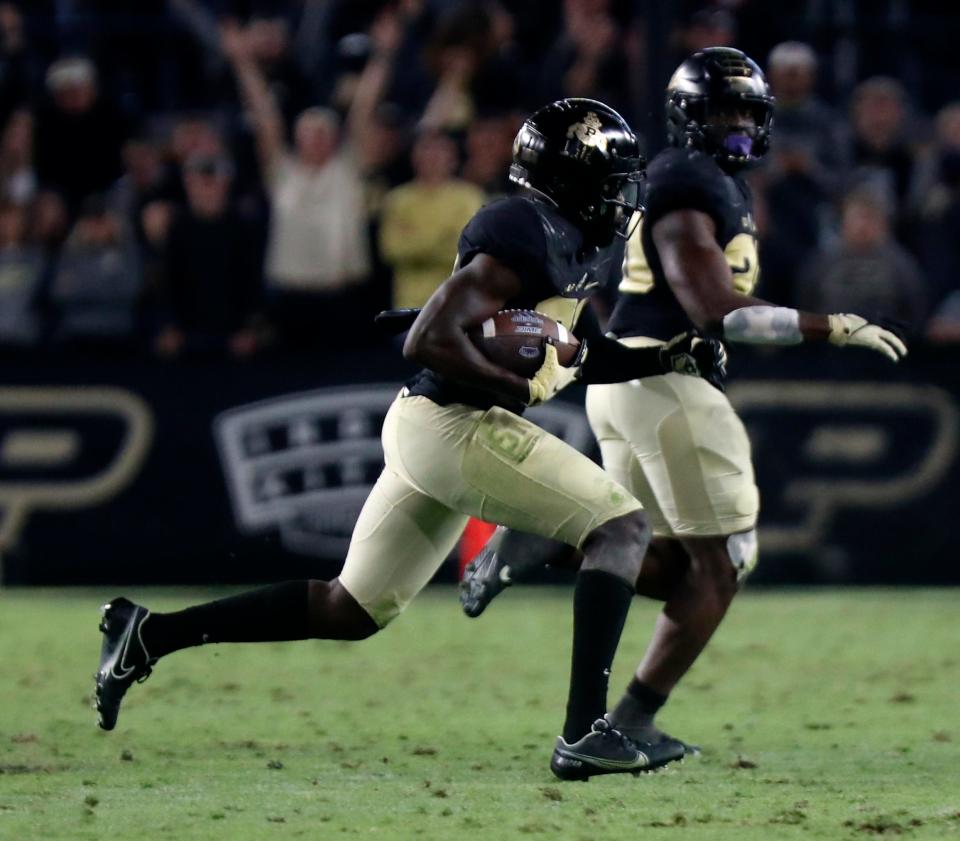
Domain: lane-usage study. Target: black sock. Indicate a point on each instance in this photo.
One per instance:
(270, 614)
(648, 700)
(526, 555)
(600, 605)
(637, 708)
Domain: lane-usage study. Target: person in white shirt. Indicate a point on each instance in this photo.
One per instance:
(318, 247)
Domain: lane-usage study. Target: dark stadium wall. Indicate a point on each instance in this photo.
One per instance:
(209, 472)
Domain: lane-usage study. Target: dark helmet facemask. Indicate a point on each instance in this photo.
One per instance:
(705, 95)
(727, 132)
(621, 194)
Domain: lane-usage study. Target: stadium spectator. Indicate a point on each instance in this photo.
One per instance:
(944, 327)
(867, 271)
(78, 134)
(476, 64)
(387, 159)
(22, 267)
(212, 259)
(383, 126)
(936, 171)
(422, 220)
(18, 179)
(268, 44)
(193, 134)
(14, 61)
(153, 226)
(796, 210)
(879, 144)
(588, 58)
(49, 221)
(707, 27)
(145, 179)
(318, 255)
(465, 64)
(489, 149)
(935, 202)
(803, 120)
(97, 283)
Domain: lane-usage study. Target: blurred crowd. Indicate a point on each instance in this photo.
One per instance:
(231, 177)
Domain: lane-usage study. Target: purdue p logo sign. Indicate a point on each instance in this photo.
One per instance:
(66, 447)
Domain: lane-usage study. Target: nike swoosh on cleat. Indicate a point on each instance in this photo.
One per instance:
(641, 760)
(126, 670)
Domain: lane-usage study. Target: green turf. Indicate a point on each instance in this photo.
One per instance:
(824, 715)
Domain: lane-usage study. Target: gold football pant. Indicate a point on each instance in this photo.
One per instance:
(677, 445)
(447, 463)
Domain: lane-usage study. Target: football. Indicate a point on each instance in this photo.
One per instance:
(516, 340)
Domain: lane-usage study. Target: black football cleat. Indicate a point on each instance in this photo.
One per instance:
(651, 734)
(484, 578)
(688, 749)
(605, 750)
(123, 658)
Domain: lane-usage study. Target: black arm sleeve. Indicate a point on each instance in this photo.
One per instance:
(608, 361)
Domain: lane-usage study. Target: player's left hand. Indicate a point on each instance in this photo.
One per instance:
(850, 329)
(552, 377)
(693, 355)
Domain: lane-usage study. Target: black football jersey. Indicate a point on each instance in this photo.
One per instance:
(679, 179)
(546, 251)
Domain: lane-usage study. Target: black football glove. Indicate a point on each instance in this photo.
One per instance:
(693, 355)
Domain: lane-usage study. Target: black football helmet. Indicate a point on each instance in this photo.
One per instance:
(704, 97)
(582, 155)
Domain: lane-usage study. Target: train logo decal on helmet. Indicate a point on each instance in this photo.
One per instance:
(588, 132)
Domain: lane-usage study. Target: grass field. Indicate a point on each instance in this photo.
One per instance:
(823, 715)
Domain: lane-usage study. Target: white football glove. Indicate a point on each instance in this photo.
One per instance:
(849, 329)
(552, 377)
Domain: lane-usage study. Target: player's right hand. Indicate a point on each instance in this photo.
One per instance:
(552, 377)
(850, 329)
(691, 354)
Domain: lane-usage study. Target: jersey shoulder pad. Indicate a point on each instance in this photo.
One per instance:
(681, 179)
(511, 231)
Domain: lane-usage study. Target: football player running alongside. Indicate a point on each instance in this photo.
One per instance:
(676, 443)
(455, 444)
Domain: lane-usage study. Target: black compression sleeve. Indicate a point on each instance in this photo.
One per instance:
(608, 361)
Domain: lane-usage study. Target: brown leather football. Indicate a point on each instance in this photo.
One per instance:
(516, 340)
